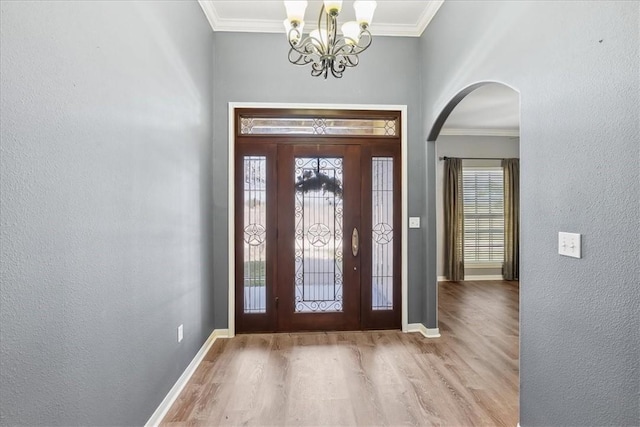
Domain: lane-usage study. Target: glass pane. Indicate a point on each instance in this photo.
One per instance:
(317, 126)
(382, 233)
(255, 234)
(318, 234)
(483, 214)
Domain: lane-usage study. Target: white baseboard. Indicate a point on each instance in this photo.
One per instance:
(474, 278)
(173, 394)
(484, 277)
(427, 332)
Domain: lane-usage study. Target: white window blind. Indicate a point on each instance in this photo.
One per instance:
(483, 215)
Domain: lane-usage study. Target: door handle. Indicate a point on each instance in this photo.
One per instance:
(355, 242)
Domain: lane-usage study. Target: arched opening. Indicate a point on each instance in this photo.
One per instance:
(477, 231)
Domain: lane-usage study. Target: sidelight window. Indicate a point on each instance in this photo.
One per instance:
(382, 233)
(255, 233)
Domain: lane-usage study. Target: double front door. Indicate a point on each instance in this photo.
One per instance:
(317, 233)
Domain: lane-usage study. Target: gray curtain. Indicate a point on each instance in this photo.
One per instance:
(511, 267)
(453, 220)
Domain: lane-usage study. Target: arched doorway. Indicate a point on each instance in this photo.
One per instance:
(479, 128)
(483, 130)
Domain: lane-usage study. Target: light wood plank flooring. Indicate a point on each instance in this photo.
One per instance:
(469, 377)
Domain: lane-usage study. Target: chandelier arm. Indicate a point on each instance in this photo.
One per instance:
(305, 46)
(294, 35)
(348, 47)
(324, 44)
(332, 31)
(320, 23)
(352, 60)
(366, 35)
(306, 52)
(349, 60)
(346, 54)
(298, 58)
(344, 48)
(317, 69)
(337, 68)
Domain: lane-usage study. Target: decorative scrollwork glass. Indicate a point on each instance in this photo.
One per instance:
(255, 233)
(382, 233)
(322, 126)
(318, 234)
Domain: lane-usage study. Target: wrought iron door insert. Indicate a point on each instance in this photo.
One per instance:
(318, 234)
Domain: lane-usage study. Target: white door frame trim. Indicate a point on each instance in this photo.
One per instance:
(404, 192)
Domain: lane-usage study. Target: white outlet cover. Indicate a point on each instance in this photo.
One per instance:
(414, 222)
(180, 333)
(569, 244)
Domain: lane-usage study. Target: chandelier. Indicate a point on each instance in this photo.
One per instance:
(325, 49)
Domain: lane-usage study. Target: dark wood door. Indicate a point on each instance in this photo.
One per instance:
(317, 229)
(319, 201)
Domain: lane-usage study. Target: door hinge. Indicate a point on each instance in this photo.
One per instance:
(277, 301)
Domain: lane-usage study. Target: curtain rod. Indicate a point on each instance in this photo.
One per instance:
(471, 158)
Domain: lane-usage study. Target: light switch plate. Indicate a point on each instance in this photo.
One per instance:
(569, 244)
(180, 333)
(414, 222)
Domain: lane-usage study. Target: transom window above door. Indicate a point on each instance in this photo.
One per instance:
(356, 124)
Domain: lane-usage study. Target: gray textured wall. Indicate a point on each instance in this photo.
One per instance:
(576, 65)
(105, 194)
(254, 68)
(468, 146)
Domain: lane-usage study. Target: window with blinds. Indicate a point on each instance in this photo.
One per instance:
(483, 215)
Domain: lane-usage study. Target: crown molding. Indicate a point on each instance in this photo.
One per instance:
(428, 14)
(210, 12)
(395, 30)
(480, 132)
(270, 26)
(248, 26)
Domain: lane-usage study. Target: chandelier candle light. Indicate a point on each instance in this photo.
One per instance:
(325, 49)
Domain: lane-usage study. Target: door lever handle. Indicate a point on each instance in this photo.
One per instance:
(355, 242)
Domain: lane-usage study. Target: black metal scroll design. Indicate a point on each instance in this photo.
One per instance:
(255, 234)
(319, 235)
(315, 179)
(382, 233)
(318, 214)
(303, 305)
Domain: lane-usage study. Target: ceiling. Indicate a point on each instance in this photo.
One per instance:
(493, 109)
(392, 17)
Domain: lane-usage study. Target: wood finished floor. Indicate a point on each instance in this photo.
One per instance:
(468, 377)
